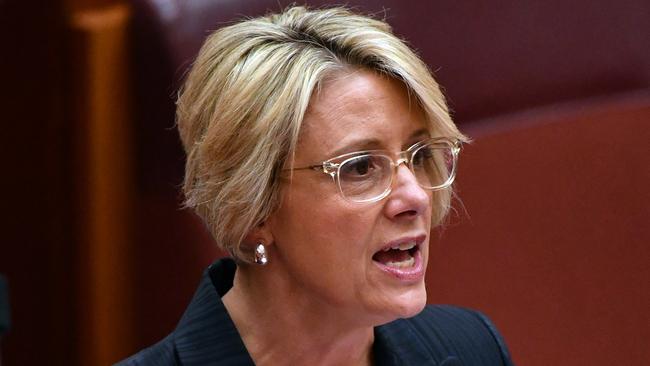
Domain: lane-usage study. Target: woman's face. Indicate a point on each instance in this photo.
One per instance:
(334, 251)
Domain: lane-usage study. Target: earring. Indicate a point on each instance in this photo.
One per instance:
(260, 254)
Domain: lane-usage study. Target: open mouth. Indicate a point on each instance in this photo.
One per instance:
(398, 256)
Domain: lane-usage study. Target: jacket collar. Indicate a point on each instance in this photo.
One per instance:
(206, 335)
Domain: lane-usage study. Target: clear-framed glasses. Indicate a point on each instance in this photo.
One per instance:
(367, 176)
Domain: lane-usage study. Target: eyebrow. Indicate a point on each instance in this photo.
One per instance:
(373, 143)
(418, 134)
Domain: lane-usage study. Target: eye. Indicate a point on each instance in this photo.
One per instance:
(359, 167)
(422, 156)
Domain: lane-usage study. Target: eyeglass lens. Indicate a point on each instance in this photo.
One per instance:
(369, 176)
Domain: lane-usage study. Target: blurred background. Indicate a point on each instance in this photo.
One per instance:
(550, 237)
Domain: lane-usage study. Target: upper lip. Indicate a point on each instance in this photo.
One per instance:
(418, 239)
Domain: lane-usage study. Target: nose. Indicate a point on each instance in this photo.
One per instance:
(407, 199)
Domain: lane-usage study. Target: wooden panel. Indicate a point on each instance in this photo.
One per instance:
(101, 44)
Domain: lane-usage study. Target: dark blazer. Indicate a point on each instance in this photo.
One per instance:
(439, 335)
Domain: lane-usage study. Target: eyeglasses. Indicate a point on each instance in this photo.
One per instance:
(367, 176)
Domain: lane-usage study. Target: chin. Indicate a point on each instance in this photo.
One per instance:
(414, 306)
(406, 305)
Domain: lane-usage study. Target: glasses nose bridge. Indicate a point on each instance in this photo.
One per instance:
(403, 157)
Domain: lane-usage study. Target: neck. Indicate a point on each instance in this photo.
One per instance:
(281, 327)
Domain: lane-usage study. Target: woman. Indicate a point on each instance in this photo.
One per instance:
(320, 153)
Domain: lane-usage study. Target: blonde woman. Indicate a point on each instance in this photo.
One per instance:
(320, 153)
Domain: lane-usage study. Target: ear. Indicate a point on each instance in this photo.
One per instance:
(260, 234)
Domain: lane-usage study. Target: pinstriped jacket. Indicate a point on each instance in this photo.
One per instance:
(439, 335)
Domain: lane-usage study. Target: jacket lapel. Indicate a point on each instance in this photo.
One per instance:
(397, 344)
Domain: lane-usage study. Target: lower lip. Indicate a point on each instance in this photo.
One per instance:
(411, 274)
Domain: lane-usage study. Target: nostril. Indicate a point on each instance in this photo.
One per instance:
(409, 213)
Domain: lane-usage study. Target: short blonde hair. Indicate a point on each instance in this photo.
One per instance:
(240, 110)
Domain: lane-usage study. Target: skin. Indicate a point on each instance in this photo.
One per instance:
(321, 294)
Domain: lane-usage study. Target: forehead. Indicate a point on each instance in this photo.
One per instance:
(357, 107)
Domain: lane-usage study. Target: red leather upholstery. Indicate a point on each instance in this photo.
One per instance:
(504, 57)
(551, 238)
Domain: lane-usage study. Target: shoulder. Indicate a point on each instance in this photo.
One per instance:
(457, 332)
(465, 330)
(161, 353)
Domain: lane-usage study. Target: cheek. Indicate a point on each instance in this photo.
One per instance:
(324, 228)
(329, 225)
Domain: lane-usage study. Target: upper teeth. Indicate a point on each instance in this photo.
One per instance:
(402, 246)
